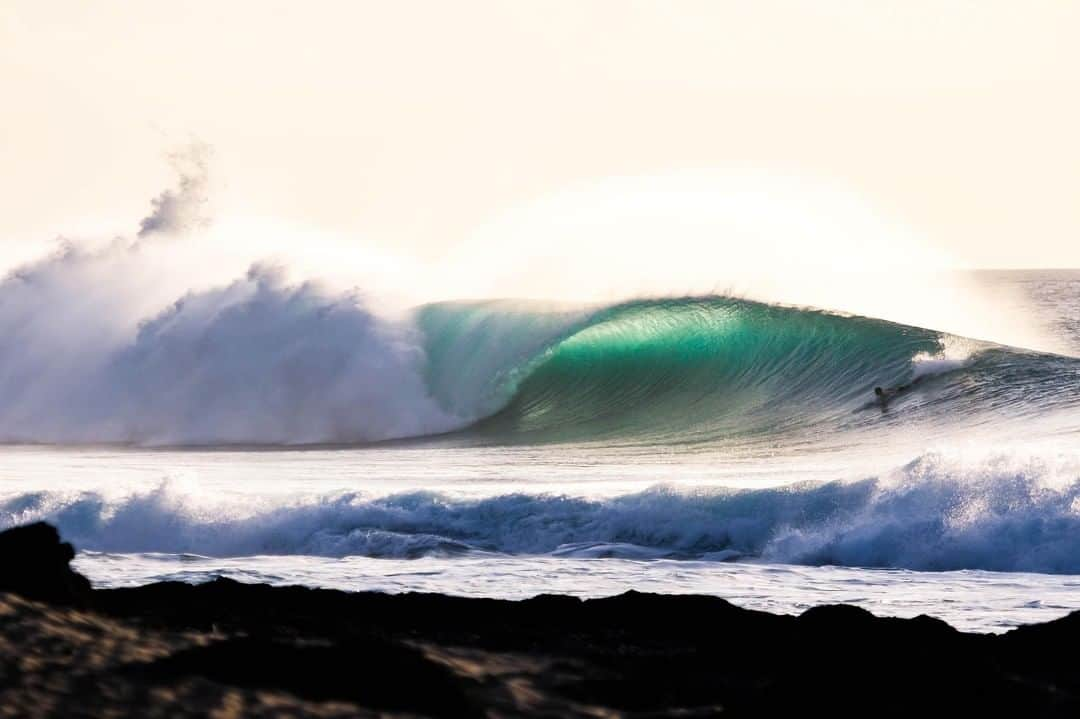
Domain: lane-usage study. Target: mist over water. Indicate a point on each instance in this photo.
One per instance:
(154, 341)
(634, 421)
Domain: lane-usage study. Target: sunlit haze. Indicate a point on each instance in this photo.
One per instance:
(773, 301)
(414, 126)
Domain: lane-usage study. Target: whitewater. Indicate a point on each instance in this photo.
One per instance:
(271, 429)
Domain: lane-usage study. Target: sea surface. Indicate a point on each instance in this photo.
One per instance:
(714, 445)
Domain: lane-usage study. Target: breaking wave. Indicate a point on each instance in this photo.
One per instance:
(121, 344)
(260, 361)
(935, 513)
(708, 369)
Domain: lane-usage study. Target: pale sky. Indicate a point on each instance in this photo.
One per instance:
(412, 124)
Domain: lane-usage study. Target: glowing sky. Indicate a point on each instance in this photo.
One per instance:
(416, 125)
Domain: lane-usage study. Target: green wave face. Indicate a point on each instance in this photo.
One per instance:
(699, 370)
(687, 370)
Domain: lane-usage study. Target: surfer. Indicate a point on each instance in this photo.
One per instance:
(885, 395)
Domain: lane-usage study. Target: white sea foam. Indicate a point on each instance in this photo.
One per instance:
(998, 512)
(955, 353)
(969, 600)
(159, 339)
(141, 340)
(258, 360)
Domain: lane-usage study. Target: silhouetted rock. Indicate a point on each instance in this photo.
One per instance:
(36, 564)
(373, 673)
(255, 649)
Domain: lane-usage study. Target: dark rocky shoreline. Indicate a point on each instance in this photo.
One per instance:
(232, 649)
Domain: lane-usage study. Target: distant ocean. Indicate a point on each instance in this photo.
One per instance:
(707, 444)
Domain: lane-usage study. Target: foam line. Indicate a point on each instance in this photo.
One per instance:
(935, 513)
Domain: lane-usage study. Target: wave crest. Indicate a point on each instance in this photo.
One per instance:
(118, 358)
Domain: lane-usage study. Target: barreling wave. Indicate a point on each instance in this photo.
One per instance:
(263, 362)
(138, 342)
(708, 369)
(1007, 513)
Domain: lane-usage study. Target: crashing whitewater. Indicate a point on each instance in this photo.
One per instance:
(115, 345)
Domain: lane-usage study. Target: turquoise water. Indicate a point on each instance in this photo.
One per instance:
(703, 444)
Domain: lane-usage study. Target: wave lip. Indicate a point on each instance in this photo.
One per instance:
(139, 340)
(936, 513)
(120, 359)
(712, 370)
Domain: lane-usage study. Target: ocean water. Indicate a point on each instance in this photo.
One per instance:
(279, 433)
